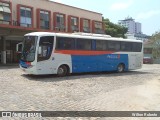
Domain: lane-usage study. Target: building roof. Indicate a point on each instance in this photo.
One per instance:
(73, 7)
(128, 19)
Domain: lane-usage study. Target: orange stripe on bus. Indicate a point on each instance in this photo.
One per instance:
(80, 52)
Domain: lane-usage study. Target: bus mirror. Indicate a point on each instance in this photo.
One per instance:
(40, 50)
(19, 47)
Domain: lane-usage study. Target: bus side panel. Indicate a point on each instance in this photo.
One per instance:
(61, 59)
(135, 61)
(95, 63)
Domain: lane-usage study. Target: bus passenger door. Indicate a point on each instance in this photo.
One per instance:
(44, 59)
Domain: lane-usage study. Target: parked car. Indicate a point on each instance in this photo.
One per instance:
(147, 60)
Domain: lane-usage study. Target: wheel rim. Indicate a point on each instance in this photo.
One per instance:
(120, 68)
(60, 71)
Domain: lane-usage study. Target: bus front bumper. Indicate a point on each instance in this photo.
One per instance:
(30, 70)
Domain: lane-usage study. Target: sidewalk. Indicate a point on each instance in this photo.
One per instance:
(9, 65)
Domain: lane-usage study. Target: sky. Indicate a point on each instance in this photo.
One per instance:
(147, 12)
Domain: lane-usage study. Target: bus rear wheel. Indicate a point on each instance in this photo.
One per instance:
(120, 68)
(62, 71)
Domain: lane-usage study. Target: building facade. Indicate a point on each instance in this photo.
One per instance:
(18, 17)
(133, 27)
(140, 36)
(152, 50)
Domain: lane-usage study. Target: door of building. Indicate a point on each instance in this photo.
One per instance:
(11, 55)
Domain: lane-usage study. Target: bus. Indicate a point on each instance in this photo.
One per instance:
(64, 53)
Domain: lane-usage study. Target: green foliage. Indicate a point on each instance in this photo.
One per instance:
(114, 30)
(156, 45)
(155, 36)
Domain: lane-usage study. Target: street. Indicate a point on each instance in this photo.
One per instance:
(130, 91)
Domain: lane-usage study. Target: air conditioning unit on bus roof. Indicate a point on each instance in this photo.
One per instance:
(91, 34)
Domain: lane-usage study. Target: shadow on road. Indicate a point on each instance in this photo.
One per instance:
(54, 78)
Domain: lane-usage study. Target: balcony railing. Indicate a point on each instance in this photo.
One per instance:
(74, 28)
(86, 30)
(44, 27)
(16, 23)
(4, 22)
(60, 28)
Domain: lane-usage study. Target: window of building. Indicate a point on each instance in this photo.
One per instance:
(60, 22)
(64, 43)
(74, 24)
(44, 19)
(84, 44)
(86, 26)
(86, 23)
(25, 17)
(74, 21)
(5, 13)
(98, 27)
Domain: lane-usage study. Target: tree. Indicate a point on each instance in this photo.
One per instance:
(155, 39)
(114, 30)
(155, 36)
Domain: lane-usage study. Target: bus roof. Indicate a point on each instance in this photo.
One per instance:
(40, 34)
(83, 35)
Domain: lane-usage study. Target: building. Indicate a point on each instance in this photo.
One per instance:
(138, 28)
(152, 49)
(138, 36)
(18, 17)
(133, 27)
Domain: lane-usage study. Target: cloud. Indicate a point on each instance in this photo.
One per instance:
(121, 5)
(147, 15)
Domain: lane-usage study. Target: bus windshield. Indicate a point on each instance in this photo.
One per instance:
(29, 48)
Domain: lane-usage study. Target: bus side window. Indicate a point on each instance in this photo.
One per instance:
(114, 45)
(101, 45)
(84, 44)
(136, 47)
(64, 43)
(46, 47)
(126, 46)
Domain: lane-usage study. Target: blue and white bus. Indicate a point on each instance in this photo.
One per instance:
(62, 53)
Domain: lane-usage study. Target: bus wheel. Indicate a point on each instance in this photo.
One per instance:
(62, 71)
(120, 68)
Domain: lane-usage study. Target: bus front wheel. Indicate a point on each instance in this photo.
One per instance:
(120, 68)
(62, 71)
